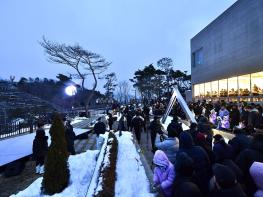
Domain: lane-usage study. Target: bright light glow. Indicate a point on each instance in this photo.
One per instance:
(71, 90)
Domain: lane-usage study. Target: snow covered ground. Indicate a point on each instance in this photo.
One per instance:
(81, 171)
(21, 146)
(131, 176)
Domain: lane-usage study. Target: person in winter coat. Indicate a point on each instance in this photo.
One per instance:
(234, 117)
(201, 141)
(205, 127)
(137, 124)
(40, 148)
(240, 142)
(224, 183)
(255, 118)
(110, 120)
(163, 175)
(99, 128)
(201, 160)
(155, 127)
(246, 158)
(184, 185)
(169, 146)
(122, 126)
(175, 126)
(221, 149)
(256, 171)
(70, 138)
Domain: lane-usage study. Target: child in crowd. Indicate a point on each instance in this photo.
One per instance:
(164, 174)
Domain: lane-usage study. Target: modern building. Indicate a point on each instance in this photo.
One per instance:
(227, 55)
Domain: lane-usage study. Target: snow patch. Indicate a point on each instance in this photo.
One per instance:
(131, 177)
(81, 170)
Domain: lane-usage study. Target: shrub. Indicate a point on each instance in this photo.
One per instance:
(108, 173)
(56, 175)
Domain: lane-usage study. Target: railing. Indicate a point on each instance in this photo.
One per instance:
(17, 128)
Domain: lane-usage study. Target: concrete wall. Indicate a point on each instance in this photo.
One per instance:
(232, 44)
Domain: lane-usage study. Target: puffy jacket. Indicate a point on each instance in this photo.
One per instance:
(256, 171)
(246, 158)
(222, 151)
(239, 143)
(201, 160)
(164, 172)
(169, 146)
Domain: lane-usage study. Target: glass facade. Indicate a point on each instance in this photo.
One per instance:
(239, 88)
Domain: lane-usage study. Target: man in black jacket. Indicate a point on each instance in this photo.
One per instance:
(99, 128)
(70, 138)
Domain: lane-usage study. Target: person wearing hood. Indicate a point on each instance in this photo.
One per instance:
(240, 142)
(201, 160)
(224, 183)
(221, 149)
(246, 158)
(163, 174)
(184, 184)
(169, 146)
(256, 171)
(40, 149)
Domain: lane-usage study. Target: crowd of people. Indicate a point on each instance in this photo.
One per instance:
(226, 116)
(192, 162)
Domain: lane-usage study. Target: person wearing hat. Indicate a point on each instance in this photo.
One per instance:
(221, 149)
(224, 183)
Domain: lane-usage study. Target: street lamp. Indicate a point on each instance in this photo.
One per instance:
(71, 90)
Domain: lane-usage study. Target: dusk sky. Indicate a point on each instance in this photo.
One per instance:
(129, 33)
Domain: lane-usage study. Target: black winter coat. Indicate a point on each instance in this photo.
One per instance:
(40, 146)
(222, 152)
(184, 187)
(246, 158)
(201, 160)
(155, 128)
(235, 191)
(239, 143)
(70, 138)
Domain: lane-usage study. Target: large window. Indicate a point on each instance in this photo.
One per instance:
(214, 86)
(223, 88)
(196, 91)
(208, 89)
(232, 86)
(202, 89)
(198, 57)
(244, 85)
(257, 83)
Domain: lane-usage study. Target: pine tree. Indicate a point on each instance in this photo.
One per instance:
(56, 175)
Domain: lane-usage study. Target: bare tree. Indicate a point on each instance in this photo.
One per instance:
(84, 62)
(123, 91)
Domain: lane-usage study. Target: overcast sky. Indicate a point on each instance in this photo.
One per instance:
(129, 33)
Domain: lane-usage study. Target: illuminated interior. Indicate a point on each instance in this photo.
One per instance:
(235, 88)
(257, 83)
